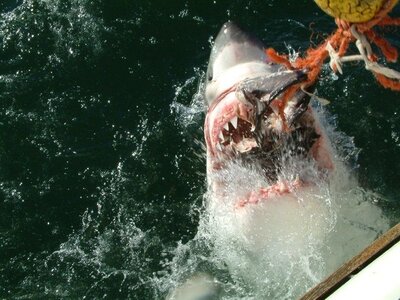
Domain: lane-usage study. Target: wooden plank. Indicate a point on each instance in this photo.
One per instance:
(353, 266)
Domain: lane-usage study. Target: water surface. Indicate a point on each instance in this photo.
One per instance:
(102, 169)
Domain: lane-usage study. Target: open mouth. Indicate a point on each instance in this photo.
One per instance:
(231, 133)
(230, 127)
(236, 135)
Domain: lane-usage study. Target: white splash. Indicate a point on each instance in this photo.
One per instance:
(282, 247)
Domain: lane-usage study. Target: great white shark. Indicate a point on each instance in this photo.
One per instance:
(248, 120)
(281, 209)
(265, 157)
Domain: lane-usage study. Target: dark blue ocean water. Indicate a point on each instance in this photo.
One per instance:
(102, 169)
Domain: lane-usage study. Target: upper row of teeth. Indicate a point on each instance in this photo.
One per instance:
(234, 123)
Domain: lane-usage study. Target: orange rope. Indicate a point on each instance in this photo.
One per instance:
(388, 21)
(278, 58)
(314, 58)
(387, 82)
(340, 41)
(386, 48)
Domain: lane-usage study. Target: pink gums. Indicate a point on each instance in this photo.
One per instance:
(278, 189)
(221, 113)
(226, 107)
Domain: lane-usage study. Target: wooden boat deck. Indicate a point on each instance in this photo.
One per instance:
(355, 265)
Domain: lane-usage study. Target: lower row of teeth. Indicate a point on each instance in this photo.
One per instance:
(222, 137)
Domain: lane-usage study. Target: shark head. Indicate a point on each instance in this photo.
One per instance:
(241, 86)
(236, 55)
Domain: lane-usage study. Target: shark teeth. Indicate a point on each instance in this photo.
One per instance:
(219, 147)
(234, 122)
(221, 136)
